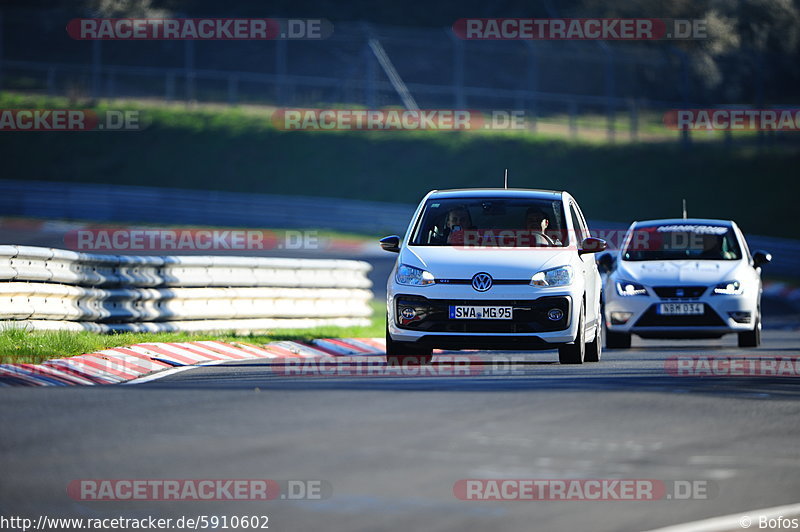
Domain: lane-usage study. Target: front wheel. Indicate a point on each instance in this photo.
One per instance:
(752, 338)
(405, 354)
(594, 349)
(574, 353)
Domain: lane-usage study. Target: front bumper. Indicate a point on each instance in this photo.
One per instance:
(529, 328)
(723, 314)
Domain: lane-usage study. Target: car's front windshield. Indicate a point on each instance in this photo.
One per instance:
(681, 241)
(491, 222)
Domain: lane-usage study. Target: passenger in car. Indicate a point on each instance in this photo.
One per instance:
(457, 219)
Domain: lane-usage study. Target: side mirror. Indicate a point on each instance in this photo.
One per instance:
(605, 263)
(391, 243)
(761, 258)
(592, 245)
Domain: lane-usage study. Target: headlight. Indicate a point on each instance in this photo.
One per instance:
(729, 288)
(411, 276)
(629, 288)
(561, 276)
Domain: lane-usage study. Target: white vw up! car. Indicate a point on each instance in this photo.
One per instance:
(494, 269)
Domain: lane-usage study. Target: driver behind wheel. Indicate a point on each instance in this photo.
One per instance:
(537, 222)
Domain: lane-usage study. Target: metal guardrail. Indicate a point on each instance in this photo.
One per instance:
(46, 288)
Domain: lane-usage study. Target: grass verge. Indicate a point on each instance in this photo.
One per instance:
(20, 346)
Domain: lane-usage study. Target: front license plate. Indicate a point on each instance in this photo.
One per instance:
(471, 312)
(680, 309)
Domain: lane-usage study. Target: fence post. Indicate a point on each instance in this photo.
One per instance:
(533, 81)
(51, 80)
(280, 70)
(1, 49)
(96, 67)
(634, 116)
(371, 96)
(169, 87)
(610, 89)
(189, 67)
(759, 82)
(458, 71)
(573, 119)
(233, 89)
(110, 85)
(686, 139)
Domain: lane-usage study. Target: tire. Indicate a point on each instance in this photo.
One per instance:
(575, 352)
(403, 354)
(752, 338)
(594, 349)
(618, 340)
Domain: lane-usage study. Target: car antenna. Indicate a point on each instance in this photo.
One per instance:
(684, 208)
(505, 180)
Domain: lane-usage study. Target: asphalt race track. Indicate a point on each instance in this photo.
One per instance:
(391, 448)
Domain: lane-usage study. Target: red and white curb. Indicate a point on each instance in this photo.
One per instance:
(147, 361)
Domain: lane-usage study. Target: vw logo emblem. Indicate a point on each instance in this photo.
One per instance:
(482, 282)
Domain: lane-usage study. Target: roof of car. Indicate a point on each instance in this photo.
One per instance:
(496, 193)
(685, 221)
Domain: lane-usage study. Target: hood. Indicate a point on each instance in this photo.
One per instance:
(448, 262)
(677, 272)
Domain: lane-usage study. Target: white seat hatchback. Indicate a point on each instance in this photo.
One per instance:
(683, 278)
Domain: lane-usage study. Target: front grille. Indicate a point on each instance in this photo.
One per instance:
(679, 292)
(494, 281)
(651, 318)
(529, 316)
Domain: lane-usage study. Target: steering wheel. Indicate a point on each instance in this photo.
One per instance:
(539, 236)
